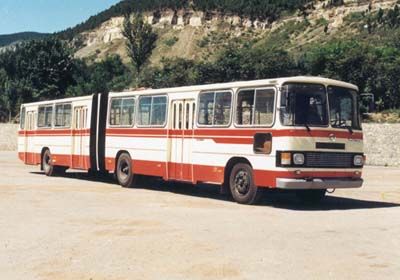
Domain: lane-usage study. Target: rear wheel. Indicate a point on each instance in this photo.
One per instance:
(241, 183)
(123, 172)
(311, 196)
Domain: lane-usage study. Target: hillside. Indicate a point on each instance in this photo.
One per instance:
(253, 9)
(9, 39)
(198, 35)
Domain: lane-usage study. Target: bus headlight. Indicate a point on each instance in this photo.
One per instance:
(358, 160)
(298, 159)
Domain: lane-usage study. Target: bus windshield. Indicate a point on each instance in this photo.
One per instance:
(304, 104)
(343, 108)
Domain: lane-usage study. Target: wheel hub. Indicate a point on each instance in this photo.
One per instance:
(124, 170)
(242, 182)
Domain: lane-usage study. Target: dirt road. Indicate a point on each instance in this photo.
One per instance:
(76, 228)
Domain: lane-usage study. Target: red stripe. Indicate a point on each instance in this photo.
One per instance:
(74, 161)
(54, 132)
(201, 133)
(215, 174)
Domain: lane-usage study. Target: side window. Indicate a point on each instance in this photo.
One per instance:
(222, 110)
(244, 107)
(158, 110)
(22, 118)
(152, 110)
(206, 108)
(63, 115)
(122, 112)
(115, 112)
(255, 107)
(45, 116)
(215, 108)
(144, 110)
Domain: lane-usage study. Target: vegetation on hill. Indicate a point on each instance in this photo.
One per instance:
(9, 39)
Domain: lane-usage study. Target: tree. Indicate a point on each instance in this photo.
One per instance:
(141, 40)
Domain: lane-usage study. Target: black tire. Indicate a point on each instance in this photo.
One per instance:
(123, 172)
(241, 184)
(47, 166)
(311, 196)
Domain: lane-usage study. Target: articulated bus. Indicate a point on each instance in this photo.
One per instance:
(297, 133)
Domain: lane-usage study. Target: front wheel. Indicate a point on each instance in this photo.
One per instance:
(123, 172)
(241, 183)
(311, 196)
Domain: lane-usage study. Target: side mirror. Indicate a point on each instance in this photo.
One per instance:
(367, 102)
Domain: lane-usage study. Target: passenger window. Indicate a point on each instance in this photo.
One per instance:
(63, 115)
(215, 108)
(158, 110)
(144, 110)
(152, 110)
(122, 112)
(222, 110)
(45, 116)
(255, 107)
(206, 114)
(244, 108)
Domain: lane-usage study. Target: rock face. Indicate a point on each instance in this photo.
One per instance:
(382, 144)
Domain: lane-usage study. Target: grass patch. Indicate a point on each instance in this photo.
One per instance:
(171, 41)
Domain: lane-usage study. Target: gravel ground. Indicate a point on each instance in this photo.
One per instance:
(76, 228)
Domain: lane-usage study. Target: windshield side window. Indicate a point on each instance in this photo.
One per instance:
(264, 109)
(255, 107)
(304, 104)
(343, 108)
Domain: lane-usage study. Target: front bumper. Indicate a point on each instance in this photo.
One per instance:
(318, 183)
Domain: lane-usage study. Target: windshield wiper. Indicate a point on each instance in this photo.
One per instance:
(350, 129)
(307, 126)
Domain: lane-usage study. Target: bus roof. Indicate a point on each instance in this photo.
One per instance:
(218, 86)
(253, 83)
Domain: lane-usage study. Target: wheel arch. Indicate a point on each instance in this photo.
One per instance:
(228, 168)
(117, 157)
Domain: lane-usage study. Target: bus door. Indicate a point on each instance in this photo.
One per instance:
(78, 137)
(29, 140)
(181, 140)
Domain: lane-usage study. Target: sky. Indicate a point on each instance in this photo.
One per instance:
(47, 16)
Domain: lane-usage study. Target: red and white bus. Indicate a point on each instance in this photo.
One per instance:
(299, 133)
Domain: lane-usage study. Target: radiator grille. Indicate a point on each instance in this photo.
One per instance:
(339, 160)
